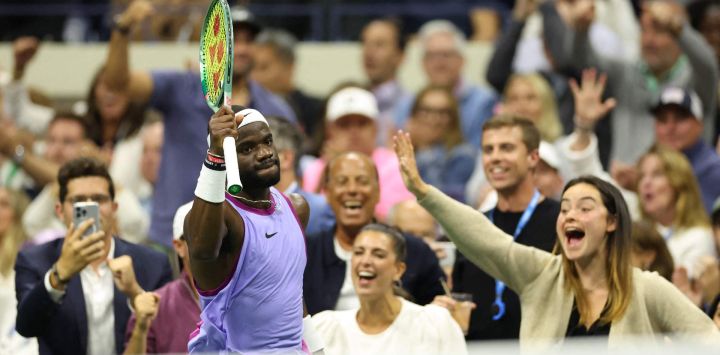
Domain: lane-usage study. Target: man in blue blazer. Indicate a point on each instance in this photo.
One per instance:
(74, 294)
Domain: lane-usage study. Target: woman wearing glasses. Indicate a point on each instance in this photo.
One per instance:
(588, 286)
(444, 158)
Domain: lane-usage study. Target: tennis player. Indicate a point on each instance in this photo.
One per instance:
(247, 252)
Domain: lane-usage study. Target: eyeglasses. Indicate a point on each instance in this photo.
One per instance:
(100, 199)
(428, 111)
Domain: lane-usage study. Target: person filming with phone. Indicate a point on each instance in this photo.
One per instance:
(75, 294)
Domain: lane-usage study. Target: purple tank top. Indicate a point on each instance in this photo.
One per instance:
(260, 307)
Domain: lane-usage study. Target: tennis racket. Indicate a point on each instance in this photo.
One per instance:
(216, 69)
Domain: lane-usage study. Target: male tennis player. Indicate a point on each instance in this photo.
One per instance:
(247, 252)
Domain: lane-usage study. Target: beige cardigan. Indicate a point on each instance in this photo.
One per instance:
(537, 277)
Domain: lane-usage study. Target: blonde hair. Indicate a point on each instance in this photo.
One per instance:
(689, 209)
(618, 246)
(549, 122)
(14, 237)
(453, 135)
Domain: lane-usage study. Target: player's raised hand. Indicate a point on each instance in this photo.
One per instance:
(408, 166)
(222, 124)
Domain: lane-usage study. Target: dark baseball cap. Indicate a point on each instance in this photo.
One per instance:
(683, 99)
(243, 18)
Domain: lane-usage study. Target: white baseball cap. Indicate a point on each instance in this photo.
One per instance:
(549, 155)
(352, 101)
(179, 220)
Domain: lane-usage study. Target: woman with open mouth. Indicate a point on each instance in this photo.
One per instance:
(386, 323)
(587, 286)
(670, 199)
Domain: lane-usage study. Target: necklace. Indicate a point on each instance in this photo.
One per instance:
(263, 204)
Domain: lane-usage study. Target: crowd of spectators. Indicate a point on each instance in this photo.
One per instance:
(624, 91)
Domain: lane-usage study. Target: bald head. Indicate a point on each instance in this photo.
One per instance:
(352, 190)
(352, 156)
(410, 217)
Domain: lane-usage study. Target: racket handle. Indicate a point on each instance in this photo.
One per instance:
(234, 185)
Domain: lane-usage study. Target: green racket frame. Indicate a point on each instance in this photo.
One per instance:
(216, 96)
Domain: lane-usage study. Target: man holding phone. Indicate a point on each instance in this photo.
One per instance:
(73, 293)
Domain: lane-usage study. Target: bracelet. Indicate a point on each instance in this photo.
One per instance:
(215, 155)
(214, 166)
(57, 275)
(215, 159)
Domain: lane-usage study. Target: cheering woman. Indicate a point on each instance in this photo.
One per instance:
(587, 286)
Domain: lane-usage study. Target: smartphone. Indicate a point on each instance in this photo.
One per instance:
(449, 260)
(83, 211)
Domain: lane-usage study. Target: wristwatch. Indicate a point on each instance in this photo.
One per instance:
(19, 154)
(54, 272)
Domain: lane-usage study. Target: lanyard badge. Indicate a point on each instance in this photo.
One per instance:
(498, 304)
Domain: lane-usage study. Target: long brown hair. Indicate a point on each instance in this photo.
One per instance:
(646, 238)
(689, 208)
(14, 237)
(617, 243)
(453, 135)
(132, 121)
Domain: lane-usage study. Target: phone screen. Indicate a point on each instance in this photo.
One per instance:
(83, 211)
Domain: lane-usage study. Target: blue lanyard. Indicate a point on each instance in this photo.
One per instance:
(524, 219)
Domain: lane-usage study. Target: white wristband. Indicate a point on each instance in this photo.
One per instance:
(312, 339)
(211, 185)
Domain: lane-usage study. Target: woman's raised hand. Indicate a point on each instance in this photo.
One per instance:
(408, 166)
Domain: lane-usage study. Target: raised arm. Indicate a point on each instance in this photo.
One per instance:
(500, 67)
(580, 148)
(12, 145)
(556, 35)
(210, 221)
(146, 308)
(589, 107)
(567, 38)
(705, 73)
(475, 236)
(117, 75)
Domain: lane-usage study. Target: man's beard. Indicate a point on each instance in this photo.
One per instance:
(251, 178)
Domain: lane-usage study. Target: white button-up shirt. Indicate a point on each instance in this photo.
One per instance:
(98, 289)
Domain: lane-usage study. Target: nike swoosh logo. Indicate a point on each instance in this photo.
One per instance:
(268, 236)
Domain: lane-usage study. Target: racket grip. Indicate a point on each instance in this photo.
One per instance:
(234, 185)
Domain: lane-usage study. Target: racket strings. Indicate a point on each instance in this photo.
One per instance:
(213, 53)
